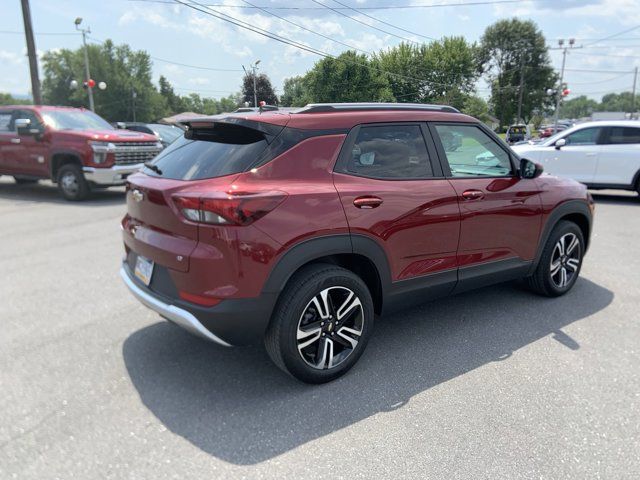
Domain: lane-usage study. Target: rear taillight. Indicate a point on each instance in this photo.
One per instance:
(228, 208)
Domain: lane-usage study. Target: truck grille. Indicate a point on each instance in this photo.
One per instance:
(130, 153)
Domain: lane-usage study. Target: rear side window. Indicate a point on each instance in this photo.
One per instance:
(5, 121)
(222, 150)
(586, 136)
(624, 135)
(394, 152)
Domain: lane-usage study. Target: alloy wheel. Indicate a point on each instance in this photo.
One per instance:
(330, 328)
(70, 183)
(565, 260)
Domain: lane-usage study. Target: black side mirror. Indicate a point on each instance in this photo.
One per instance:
(529, 169)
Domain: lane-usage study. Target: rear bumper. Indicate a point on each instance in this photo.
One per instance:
(116, 175)
(232, 322)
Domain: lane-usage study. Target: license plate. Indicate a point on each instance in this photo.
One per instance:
(144, 270)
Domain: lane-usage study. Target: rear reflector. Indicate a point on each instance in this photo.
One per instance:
(199, 299)
(228, 208)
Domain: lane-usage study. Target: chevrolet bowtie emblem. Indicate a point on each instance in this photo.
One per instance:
(137, 195)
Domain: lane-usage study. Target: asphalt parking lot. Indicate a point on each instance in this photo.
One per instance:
(496, 383)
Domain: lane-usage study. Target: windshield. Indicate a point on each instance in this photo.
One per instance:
(167, 132)
(552, 139)
(75, 120)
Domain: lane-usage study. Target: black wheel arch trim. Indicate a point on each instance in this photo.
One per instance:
(570, 207)
(315, 248)
(53, 168)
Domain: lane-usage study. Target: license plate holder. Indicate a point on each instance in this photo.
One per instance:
(144, 270)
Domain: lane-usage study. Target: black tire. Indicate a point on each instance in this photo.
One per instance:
(544, 281)
(71, 183)
(296, 308)
(25, 181)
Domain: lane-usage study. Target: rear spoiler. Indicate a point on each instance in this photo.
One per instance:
(204, 124)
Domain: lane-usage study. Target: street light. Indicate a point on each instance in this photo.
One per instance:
(84, 32)
(253, 69)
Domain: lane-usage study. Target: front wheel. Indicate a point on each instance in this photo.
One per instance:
(71, 182)
(560, 262)
(321, 324)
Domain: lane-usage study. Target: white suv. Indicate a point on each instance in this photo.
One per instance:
(599, 154)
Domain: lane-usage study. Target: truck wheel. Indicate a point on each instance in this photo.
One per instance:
(560, 262)
(72, 183)
(25, 181)
(321, 324)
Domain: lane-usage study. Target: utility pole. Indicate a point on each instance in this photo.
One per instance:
(134, 95)
(86, 61)
(572, 42)
(31, 52)
(253, 69)
(633, 95)
(521, 88)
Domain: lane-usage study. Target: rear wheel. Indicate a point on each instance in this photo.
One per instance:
(560, 262)
(25, 181)
(321, 324)
(71, 183)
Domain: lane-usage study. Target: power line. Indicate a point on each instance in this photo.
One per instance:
(364, 23)
(602, 81)
(228, 18)
(357, 10)
(379, 7)
(197, 67)
(596, 71)
(614, 35)
(307, 29)
(19, 32)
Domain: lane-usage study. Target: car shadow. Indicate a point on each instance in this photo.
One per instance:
(237, 406)
(626, 198)
(47, 192)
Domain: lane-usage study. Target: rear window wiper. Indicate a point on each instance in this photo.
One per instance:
(153, 167)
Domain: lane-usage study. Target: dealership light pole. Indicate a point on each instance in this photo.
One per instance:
(84, 32)
(559, 92)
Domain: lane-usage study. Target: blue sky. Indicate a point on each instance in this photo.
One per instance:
(179, 34)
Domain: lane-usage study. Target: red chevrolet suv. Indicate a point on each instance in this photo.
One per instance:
(298, 228)
(73, 147)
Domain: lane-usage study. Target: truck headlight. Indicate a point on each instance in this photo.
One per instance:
(101, 150)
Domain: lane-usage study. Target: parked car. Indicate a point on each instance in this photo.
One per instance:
(518, 133)
(298, 228)
(603, 154)
(550, 131)
(164, 133)
(73, 147)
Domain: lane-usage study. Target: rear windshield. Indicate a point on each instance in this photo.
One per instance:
(222, 150)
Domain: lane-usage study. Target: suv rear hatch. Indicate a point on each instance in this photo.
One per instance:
(164, 200)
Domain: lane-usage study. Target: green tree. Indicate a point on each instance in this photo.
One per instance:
(442, 71)
(508, 49)
(578, 107)
(264, 89)
(618, 102)
(126, 72)
(347, 78)
(476, 107)
(175, 103)
(296, 93)
(8, 99)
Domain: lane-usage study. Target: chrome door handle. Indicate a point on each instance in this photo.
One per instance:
(472, 195)
(591, 154)
(367, 202)
(15, 140)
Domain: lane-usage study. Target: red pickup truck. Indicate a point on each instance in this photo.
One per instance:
(73, 147)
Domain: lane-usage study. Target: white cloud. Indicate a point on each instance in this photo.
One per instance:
(199, 81)
(11, 57)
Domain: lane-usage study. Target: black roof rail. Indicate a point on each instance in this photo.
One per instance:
(346, 107)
